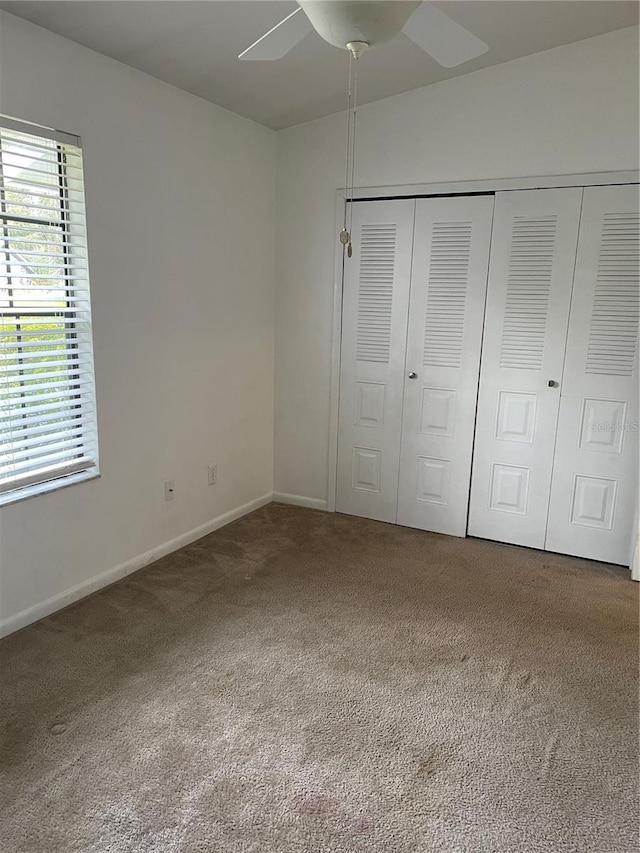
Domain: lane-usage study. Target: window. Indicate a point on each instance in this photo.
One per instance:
(48, 435)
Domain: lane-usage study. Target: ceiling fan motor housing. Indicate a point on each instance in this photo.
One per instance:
(357, 20)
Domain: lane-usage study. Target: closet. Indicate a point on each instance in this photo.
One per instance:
(413, 303)
(539, 447)
(556, 449)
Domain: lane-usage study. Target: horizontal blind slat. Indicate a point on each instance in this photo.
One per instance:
(63, 426)
(35, 450)
(40, 461)
(14, 368)
(45, 474)
(35, 413)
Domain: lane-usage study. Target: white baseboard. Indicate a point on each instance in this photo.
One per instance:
(299, 500)
(63, 599)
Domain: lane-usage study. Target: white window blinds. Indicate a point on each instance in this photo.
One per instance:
(47, 401)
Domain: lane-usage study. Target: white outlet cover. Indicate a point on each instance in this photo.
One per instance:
(213, 474)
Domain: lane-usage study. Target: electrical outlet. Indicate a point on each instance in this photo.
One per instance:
(213, 474)
(169, 490)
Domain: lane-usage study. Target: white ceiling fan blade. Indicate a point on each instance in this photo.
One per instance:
(443, 38)
(280, 39)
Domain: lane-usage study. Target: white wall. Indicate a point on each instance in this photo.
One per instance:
(180, 209)
(570, 109)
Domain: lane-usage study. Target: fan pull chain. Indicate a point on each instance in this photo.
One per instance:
(345, 234)
(353, 148)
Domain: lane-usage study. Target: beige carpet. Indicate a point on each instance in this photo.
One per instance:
(300, 681)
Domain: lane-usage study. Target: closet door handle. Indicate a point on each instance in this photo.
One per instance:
(553, 384)
(412, 375)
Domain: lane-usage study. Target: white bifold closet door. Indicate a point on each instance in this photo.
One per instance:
(374, 332)
(448, 288)
(412, 325)
(595, 476)
(533, 252)
(556, 452)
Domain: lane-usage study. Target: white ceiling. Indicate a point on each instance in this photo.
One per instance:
(194, 45)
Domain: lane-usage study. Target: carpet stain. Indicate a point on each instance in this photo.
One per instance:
(434, 762)
(313, 803)
(427, 767)
(550, 753)
(523, 679)
(361, 825)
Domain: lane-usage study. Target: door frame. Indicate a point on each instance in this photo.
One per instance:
(384, 193)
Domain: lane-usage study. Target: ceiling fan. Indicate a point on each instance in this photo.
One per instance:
(355, 25)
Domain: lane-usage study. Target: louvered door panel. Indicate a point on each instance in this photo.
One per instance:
(448, 287)
(526, 309)
(374, 329)
(375, 292)
(613, 327)
(447, 282)
(532, 261)
(595, 483)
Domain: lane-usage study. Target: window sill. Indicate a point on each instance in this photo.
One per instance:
(55, 485)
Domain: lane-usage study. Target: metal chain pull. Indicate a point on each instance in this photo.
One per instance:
(355, 55)
(345, 234)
